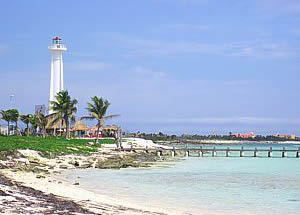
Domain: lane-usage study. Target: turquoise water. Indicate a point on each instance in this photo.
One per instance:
(209, 185)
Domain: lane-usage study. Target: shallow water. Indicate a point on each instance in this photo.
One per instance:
(213, 185)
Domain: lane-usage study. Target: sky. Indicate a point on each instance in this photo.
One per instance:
(175, 66)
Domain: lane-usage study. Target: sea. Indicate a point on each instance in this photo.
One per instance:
(206, 185)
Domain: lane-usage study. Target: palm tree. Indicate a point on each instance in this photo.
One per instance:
(14, 114)
(97, 110)
(6, 116)
(42, 122)
(64, 110)
(33, 122)
(26, 119)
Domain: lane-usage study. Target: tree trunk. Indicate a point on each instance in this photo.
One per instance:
(68, 129)
(16, 128)
(8, 128)
(44, 132)
(98, 128)
(27, 129)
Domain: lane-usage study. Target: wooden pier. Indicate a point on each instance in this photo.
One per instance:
(214, 152)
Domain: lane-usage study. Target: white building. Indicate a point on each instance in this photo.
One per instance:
(3, 129)
(57, 69)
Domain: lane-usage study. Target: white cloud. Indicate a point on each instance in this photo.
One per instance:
(259, 48)
(145, 73)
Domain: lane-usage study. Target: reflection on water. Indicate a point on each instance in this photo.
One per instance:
(219, 185)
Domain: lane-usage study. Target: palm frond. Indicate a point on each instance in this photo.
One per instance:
(87, 117)
(111, 116)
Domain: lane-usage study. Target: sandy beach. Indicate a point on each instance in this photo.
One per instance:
(20, 189)
(29, 184)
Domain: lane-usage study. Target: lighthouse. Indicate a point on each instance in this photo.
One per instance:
(57, 69)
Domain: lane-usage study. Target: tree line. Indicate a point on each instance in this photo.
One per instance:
(64, 111)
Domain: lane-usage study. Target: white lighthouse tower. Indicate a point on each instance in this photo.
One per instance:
(57, 69)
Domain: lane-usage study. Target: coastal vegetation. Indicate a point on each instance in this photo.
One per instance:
(64, 110)
(42, 122)
(192, 138)
(97, 111)
(26, 119)
(49, 145)
(10, 116)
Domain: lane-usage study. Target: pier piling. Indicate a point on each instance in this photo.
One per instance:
(173, 152)
(200, 153)
(227, 152)
(270, 153)
(284, 153)
(187, 153)
(242, 152)
(158, 153)
(255, 152)
(214, 152)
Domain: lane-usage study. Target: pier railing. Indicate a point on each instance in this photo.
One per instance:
(214, 152)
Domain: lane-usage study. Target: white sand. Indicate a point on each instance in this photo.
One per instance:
(85, 198)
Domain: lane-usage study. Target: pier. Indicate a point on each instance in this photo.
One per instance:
(223, 152)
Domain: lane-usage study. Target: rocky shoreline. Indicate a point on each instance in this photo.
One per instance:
(27, 185)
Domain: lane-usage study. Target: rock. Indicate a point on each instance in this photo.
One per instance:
(86, 165)
(22, 161)
(76, 183)
(2, 193)
(76, 163)
(33, 160)
(63, 166)
(40, 176)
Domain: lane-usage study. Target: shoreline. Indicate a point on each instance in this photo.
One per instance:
(29, 184)
(83, 201)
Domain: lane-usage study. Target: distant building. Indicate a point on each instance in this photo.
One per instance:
(286, 136)
(244, 136)
(40, 109)
(3, 130)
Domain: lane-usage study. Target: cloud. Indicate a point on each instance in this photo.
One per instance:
(256, 49)
(259, 49)
(133, 47)
(145, 73)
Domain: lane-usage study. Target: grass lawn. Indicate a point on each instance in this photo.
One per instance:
(53, 145)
